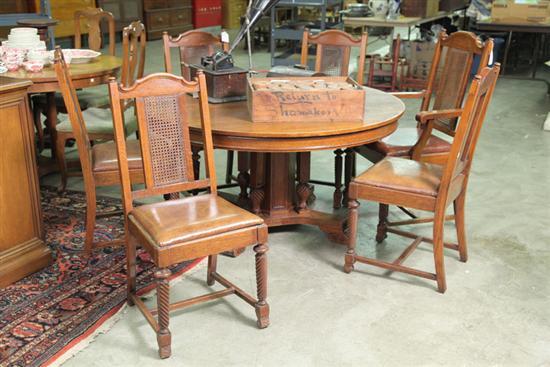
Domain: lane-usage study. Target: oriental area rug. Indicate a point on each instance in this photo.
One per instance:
(47, 316)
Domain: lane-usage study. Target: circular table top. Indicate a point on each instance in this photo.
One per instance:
(103, 66)
(232, 127)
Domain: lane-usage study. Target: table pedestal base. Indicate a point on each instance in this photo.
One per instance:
(279, 191)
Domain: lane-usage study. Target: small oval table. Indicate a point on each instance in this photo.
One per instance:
(94, 73)
(274, 193)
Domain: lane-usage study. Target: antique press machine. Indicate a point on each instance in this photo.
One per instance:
(225, 81)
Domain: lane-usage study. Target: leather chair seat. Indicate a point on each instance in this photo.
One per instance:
(179, 221)
(104, 156)
(403, 139)
(404, 175)
(99, 121)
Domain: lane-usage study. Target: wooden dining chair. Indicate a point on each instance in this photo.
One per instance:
(332, 57)
(98, 162)
(192, 46)
(449, 76)
(93, 19)
(89, 97)
(192, 227)
(414, 183)
(383, 70)
(98, 121)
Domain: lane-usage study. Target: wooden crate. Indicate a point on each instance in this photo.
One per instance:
(419, 8)
(309, 99)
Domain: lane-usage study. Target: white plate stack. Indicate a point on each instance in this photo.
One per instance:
(24, 38)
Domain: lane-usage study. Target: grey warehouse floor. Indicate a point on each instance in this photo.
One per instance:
(496, 311)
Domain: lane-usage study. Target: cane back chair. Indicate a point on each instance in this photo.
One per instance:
(98, 162)
(99, 120)
(332, 57)
(450, 73)
(192, 46)
(183, 229)
(416, 184)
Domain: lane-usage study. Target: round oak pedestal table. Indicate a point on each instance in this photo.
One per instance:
(278, 185)
(96, 72)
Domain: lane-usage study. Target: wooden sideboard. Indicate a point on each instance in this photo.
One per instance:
(172, 16)
(22, 248)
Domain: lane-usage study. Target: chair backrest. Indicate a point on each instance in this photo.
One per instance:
(192, 46)
(451, 69)
(161, 103)
(75, 116)
(333, 49)
(133, 53)
(457, 168)
(93, 18)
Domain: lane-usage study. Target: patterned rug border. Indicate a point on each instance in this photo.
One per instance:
(107, 321)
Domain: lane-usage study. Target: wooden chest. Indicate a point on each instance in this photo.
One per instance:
(419, 8)
(315, 99)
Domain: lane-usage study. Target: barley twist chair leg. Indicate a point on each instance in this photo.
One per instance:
(212, 264)
(352, 235)
(382, 229)
(164, 338)
(262, 308)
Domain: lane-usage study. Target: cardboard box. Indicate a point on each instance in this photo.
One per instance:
(531, 11)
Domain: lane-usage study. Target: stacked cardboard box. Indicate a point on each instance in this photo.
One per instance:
(530, 11)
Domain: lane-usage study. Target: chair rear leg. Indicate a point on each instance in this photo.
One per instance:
(164, 338)
(439, 220)
(262, 308)
(382, 229)
(212, 264)
(352, 234)
(460, 226)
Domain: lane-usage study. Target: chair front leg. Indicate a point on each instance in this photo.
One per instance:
(130, 268)
(439, 221)
(262, 308)
(164, 338)
(212, 264)
(460, 226)
(353, 216)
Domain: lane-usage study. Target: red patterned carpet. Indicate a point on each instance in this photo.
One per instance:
(46, 314)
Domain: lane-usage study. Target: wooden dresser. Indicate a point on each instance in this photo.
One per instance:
(124, 11)
(172, 16)
(22, 248)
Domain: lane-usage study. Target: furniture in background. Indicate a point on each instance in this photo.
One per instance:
(63, 11)
(98, 121)
(332, 57)
(539, 29)
(193, 45)
(22, 248)
(124, 11)
(30, 10)
(232, 10)
(172, 16)
(181, 229)
(383, 70)
(293, 31)
(83, 76)
(98, 162)
(207, 13)
(272, 188)
(413, 183)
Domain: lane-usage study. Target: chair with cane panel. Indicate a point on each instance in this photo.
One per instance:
(332, 57)
(413, 183)
(182, 229)
(450, 73)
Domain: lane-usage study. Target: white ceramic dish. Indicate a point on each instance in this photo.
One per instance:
(78, 56)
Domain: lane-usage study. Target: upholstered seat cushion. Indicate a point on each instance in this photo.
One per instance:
(403, 139)
(104, 156)
(99, 121)
(404, 175)
(97, 96)
(178, 221)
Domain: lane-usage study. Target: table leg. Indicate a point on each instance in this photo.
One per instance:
(243, 178)
(51, 120)
(536, 55)
(277, 198)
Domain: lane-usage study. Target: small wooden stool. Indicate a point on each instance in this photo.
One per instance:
(41, 24)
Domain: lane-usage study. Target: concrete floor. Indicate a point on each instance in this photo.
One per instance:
(496, 310)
